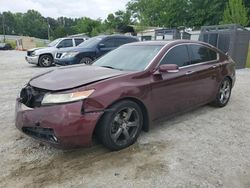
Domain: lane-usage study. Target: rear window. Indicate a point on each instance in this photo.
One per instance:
(78, 41)
(199, 54)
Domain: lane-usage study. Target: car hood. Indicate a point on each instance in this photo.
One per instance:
(75, 49)
(43, 49)
(73, 76)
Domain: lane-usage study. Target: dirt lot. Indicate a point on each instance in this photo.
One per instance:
(207, 147)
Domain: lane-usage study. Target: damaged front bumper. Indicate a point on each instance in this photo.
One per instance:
(63, 126)
(32, 59)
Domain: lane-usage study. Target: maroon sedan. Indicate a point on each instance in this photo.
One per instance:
(123, 93)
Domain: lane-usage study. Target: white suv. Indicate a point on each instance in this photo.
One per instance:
(44, 57)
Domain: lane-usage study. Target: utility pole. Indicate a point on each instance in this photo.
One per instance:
(48, 28)
(3, 28)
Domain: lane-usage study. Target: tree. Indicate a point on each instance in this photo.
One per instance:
(206, 12)
(236, 12)
(35, 25)
(88, 26)
(174, 13)
(119, 22)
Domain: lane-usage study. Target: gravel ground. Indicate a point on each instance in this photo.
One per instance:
(208, 147)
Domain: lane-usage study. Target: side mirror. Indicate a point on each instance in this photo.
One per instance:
(101, 45)
(171, 68)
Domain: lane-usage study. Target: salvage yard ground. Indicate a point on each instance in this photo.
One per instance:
(208, 147)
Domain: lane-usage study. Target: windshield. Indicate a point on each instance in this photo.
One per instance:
(92, 42)
(129, 58)
(53, 43)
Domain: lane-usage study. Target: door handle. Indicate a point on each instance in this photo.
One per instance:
(214, 66)
(190, 72)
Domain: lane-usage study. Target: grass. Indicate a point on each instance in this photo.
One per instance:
(12, 43)
(40, 43)
(248, 58)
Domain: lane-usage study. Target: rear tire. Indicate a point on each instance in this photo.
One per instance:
(120, 127)
(224, 93)
(45, 61)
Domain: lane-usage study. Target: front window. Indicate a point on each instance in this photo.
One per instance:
(129, 58)
(178, 55)
(54, 42)
(65, 43)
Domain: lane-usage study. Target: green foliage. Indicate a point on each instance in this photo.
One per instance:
(12, 43)
(88, 26)
(206, 12)
(236, 12)
(174, 13)
(139, 13)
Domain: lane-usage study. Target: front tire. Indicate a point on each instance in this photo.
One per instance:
(45, 61)
(86, 61)
(120, 127)
(224, 93)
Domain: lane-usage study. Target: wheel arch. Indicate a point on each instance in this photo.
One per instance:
(145, 126)
(230, 79)
(46, 54)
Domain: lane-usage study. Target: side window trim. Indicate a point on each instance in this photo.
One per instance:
(218, 56)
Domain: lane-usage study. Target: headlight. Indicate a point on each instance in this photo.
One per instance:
(34, 53)
(69, 54)
(67, 97)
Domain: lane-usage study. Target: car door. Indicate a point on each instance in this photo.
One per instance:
(203, 73)
(171, 91)
(106, 46)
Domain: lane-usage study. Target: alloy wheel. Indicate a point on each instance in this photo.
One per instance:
(225, 91)
(125, 126)
(46, 61)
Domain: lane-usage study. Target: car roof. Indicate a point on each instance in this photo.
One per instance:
(164, 42)
(116, 35)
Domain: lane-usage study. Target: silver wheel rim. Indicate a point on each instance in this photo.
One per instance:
(125, 125)
(86, 61)
(46, 61)
(225, 90)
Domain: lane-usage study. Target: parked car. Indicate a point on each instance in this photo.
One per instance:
(92, 49)
(123, 92)
(5, 46)
(44, 57)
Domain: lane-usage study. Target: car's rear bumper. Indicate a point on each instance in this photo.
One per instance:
(63, 126)
(32, 59)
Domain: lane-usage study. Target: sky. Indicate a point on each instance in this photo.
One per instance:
(68, 8)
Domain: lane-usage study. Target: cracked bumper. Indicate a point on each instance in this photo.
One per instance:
(62, 126)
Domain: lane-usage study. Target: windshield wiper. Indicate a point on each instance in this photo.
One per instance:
(108, 67)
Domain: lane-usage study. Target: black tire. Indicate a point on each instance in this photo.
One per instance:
(86, 60)
(121, 126)
(223, 94)
(45, 61)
